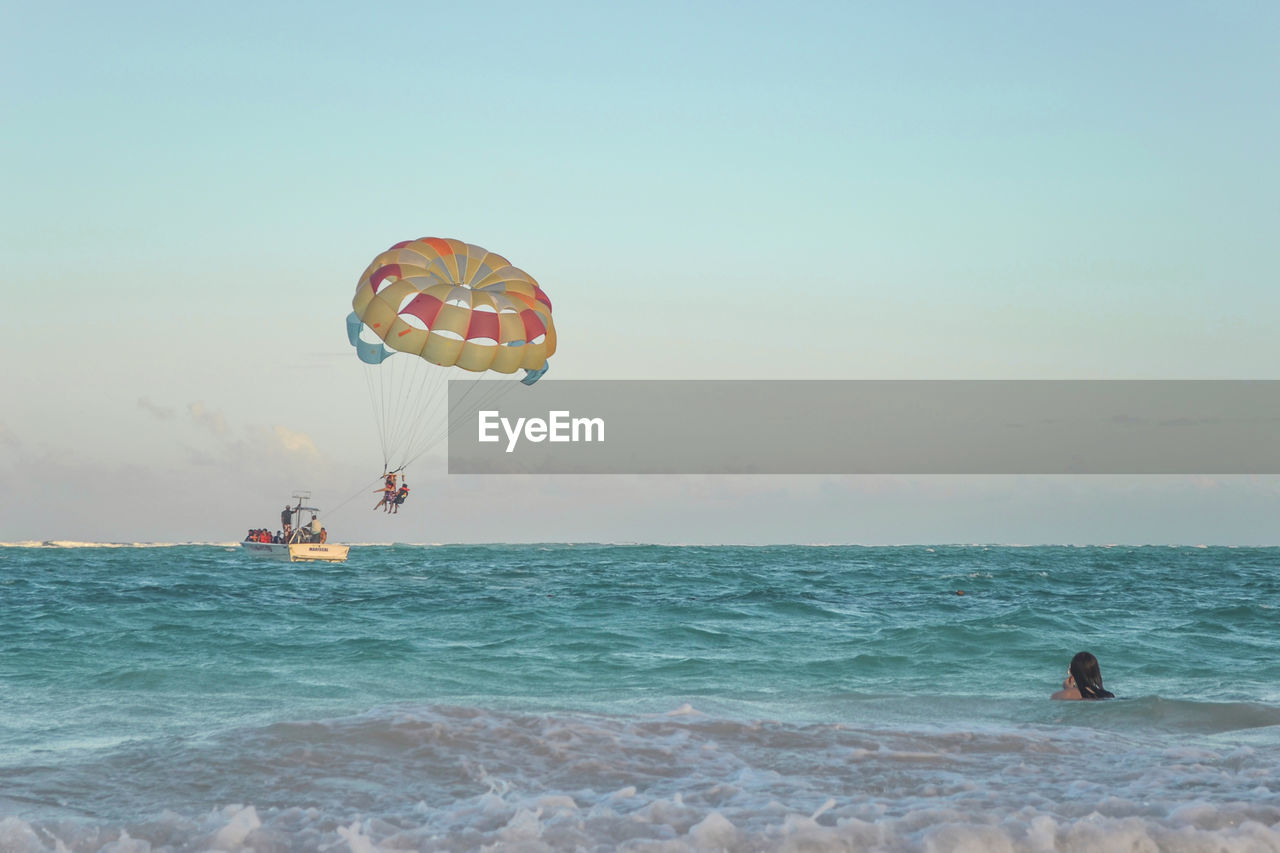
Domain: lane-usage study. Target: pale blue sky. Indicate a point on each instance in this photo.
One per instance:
(838, 190)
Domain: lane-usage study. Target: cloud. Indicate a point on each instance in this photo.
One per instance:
(295, 442)
(254, 447)
(163, 413)
(210, 420)
(243, 447)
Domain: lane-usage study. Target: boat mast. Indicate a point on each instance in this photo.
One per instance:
(299, 495)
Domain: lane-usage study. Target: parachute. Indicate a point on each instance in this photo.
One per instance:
(425, 310)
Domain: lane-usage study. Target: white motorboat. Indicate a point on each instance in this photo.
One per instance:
(304, 542)
(298, 552)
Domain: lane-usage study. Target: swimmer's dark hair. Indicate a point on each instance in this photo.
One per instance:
(1088, 677)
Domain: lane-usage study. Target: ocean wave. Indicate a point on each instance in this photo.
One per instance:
(1192, 716)
(469, 778)
(623, 821)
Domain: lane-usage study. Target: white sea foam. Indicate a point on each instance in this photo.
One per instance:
(667, 825)
(465, 778)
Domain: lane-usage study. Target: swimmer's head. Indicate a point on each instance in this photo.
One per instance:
(1087, 675)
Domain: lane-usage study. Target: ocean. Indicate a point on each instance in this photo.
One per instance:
(639, 698)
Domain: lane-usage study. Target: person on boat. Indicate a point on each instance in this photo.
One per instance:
(1084, 680)
(324, 536)
(286, 520)
(388, 494)
(401, 494)
(315, 528)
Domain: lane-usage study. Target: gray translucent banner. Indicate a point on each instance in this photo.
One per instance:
(865, 427)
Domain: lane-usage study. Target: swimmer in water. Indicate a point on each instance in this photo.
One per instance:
(1084, 680)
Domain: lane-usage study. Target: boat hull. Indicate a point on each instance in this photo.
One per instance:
(298, 552)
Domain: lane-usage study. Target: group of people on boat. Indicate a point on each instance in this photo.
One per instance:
(303, 534)
(392, 497)
(313, 531)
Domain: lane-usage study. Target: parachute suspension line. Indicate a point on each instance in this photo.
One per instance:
(393, 400)
(391, 381)
(400, 399)
(427, 413)
(464, 412)
(404, 396)
(494, 390)
(416, 400)
(491, 394)
(431, 434)
(390, 405)
(410, 407)
(377, 415)
(362, 490)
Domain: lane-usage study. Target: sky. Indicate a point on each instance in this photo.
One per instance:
(961, 190)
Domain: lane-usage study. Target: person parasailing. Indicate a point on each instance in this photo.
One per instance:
(388, 493)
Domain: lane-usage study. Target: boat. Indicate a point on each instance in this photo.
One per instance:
(303, 543)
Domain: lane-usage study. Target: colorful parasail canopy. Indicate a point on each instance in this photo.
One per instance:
(454, 304)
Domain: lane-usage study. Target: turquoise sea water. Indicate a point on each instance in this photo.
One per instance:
(638, 697)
